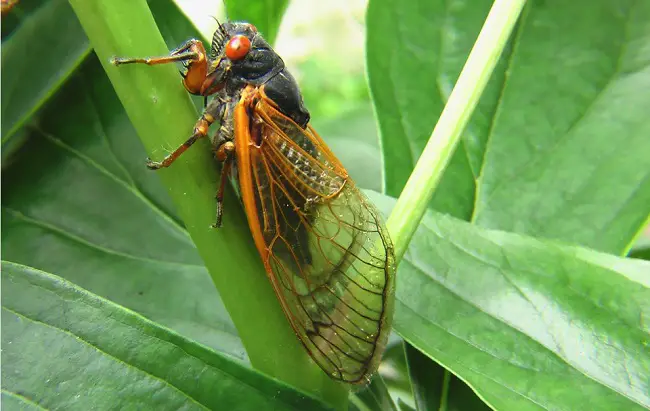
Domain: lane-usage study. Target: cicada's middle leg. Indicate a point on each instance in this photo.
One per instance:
(192, 55)
(224, 151)
(197, 80)
(200, 130)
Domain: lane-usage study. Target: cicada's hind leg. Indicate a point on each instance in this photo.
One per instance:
(225, 152)
(200, 130)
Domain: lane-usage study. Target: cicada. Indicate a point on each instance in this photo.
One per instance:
(324, 245)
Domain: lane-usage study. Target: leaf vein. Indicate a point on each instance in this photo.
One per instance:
(119, 360)
(87, 243)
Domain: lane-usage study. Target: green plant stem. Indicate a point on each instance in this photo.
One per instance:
(163, 115)
(444, 392)
(419, 189)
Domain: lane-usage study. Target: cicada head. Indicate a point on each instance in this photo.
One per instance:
(240, 56)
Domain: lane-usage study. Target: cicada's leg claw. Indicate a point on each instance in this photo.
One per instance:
(153, 165)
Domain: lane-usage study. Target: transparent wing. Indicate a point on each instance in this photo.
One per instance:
(327, 252)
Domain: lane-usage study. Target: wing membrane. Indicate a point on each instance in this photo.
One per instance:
(326, 250)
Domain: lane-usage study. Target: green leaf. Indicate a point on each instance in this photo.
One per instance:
(394, 369)
(428, 379)
(528, 324)
(14, 401)
(543, 148)
(568, 152)
(404, 406)
(88, 193)
(33, 66)
(435, 388)
(263, 14)
(641, 247)
(64, 347)
(415, 52)
(79, 191)
(374, 396)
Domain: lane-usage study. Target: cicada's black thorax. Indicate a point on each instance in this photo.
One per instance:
(262, 66)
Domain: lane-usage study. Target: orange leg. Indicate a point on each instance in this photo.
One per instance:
(152, 61)
(200, 131)
(191, 54)
(187, 51)
(225, 154)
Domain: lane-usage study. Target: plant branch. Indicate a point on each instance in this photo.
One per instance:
(163, 115)
(414, 200)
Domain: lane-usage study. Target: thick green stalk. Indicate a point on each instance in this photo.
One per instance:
(419, 189)
(163, 115)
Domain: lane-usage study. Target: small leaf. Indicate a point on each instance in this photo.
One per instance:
(435, 388)
(427, 379)
(641, 248)
(66, 348)
(374, 396)
(404, 406)
(393, 368)
(353, 138)
(265, 15)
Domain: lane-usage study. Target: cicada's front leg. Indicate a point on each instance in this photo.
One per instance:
(193, 57)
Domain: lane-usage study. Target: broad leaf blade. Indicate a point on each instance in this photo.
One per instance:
(544, 149)
(79, 190)
(567, 157)
(527, 323)
(34, 66)
(103, 220)
(91, 352)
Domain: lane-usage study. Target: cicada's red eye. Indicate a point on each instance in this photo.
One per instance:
(238, 47)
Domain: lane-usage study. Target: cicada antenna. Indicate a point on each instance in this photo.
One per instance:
(219, 23)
